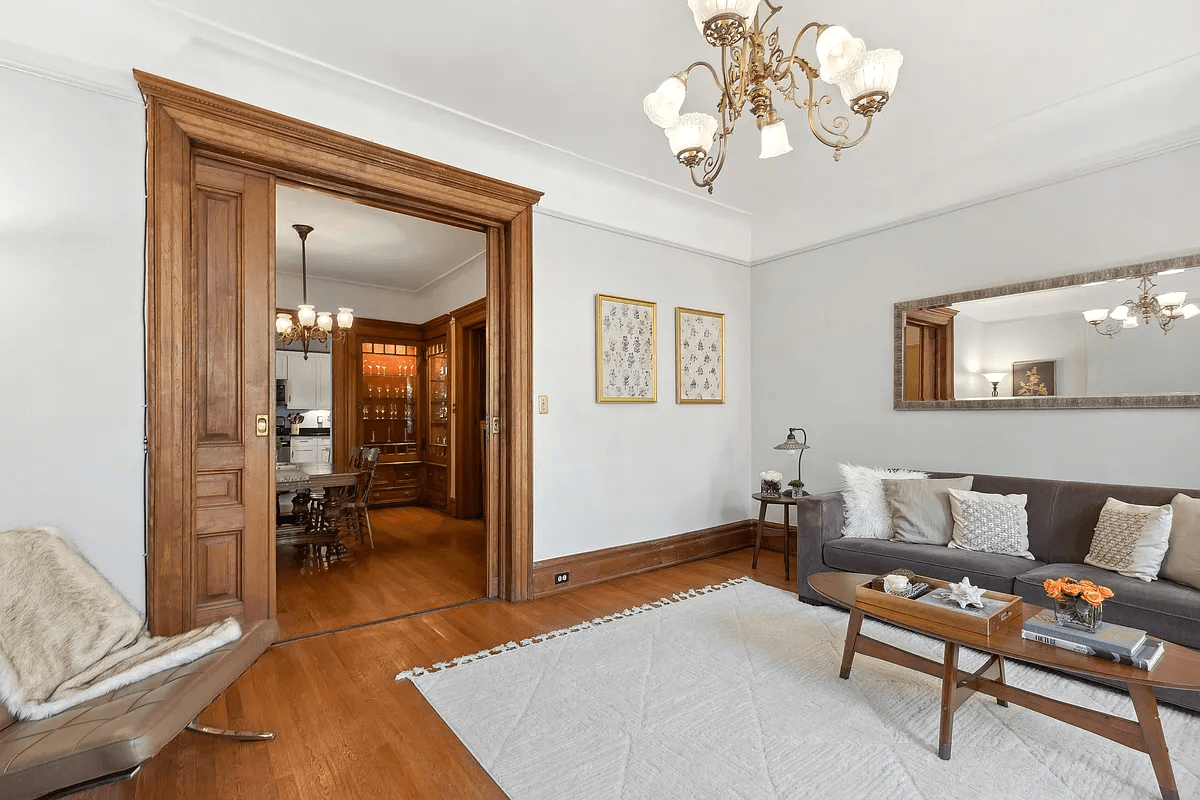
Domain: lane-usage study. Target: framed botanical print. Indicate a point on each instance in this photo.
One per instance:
(1033, 379)
(699, 356)
(626, 338)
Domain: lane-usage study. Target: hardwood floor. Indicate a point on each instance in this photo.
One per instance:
(346, 729)
(422, 560)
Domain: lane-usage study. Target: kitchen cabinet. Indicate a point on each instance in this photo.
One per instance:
(281, 365)
(311, 450)
(309, 382)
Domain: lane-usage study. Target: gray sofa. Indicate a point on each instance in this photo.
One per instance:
(1062, 517)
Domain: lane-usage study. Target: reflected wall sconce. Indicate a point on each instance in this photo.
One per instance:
(994, 379)
(791, 443)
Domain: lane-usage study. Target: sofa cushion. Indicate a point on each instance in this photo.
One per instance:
(1182, 563)
(1130, 539)
(1161, 608)
(920, 510)
(989, 570)
(865, 507)
(1038, 505)
(990, 523)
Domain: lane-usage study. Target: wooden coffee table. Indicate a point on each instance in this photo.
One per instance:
(1179, 668)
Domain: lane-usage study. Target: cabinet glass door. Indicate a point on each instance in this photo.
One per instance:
(387, 395)
(438, 370)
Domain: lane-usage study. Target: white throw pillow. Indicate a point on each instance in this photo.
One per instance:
(867, 514)
(990, 523)
(1131, 539)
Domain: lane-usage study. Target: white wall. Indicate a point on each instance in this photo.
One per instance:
(1144, 361)
(831, 371)
(995, 347)
(453, 290)
(614, 473)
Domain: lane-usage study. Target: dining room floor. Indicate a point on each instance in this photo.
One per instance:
(423, 559)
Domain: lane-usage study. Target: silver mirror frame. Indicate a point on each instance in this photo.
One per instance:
(1009, 403)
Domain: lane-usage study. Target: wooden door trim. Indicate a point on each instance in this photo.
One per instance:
(181, 122)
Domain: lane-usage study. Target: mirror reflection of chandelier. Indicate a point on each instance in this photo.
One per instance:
(1164, 309)
(751, 63)
(311, 324)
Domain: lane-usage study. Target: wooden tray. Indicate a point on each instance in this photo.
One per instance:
(946, 615)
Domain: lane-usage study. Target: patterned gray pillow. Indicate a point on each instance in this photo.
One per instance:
(1131, 539)
(990, 523)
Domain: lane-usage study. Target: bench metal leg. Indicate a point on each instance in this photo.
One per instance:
(123, 775)
(242, 736)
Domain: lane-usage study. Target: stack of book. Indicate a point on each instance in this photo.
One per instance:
(1111, 642)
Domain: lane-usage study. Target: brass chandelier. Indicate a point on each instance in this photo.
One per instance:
(310, 324)
(1164, 309)
(752, 62)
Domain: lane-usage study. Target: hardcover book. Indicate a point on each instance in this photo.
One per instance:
(1108, 637)
(1145, 658)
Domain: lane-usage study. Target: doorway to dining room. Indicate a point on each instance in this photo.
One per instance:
(379, 465)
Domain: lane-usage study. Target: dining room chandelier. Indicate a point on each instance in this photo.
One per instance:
(1165, 309)
(752, 62)
(310, 324)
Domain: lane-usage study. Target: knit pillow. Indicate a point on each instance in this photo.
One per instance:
(867, 514)
(1130, 539)
(990, 523)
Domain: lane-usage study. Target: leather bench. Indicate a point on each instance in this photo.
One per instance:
(111, 737)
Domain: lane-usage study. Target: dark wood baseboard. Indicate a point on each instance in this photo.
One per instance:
(596, 566)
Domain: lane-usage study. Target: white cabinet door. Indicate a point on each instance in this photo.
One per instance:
(302, 381)
(304, 449)
(324, 364)
(281, 365)
(324, 452)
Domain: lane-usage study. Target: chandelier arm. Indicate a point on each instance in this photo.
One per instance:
(785, 66)
(838, 131)
(714, 163)
(774, 10)
(713, 70)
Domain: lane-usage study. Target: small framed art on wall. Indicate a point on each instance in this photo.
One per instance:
(699, 356)
(626, 339)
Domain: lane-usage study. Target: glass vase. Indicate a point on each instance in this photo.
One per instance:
(1078, 613)
(770, 489)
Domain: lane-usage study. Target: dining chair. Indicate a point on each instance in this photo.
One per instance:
(358, 515)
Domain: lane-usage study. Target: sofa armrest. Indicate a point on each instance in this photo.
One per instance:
(819, 519)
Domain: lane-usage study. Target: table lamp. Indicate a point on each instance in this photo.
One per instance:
(994, 379)
(790, 443)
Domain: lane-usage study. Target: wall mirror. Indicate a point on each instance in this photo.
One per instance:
(1121, 337)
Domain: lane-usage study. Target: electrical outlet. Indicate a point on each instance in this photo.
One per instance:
(543, 404)
(561, 577)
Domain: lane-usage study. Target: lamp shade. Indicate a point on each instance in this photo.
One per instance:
(1171, 299)
(838, 54)
(282, 322)
(1189, 311)
(662, 107)
(692, 132)
(325, 321)
(345, 317)
(1119, 313)
(995, 377)
(877, 72)
(704, 10)
(307, 315)
(775, 140)
(791, 443)
(1096, 315)
(1130, 322)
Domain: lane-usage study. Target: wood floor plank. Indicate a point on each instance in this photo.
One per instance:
(347, 729)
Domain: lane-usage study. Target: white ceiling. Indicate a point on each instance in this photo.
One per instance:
(361, 244)
(1072, 301)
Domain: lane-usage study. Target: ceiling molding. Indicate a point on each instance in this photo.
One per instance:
(72, 81)
(1079, 172)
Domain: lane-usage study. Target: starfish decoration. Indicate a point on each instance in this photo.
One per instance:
(966, 594)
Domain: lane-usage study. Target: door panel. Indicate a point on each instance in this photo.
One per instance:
(233, 231)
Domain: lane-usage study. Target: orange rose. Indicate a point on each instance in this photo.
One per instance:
(1053, 589)
(1072, 589)
(1093, 597)
(1105, 592)
(1087, 583)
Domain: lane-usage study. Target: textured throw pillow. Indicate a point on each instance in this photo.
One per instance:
(1131, 540)
(1182, 563)
(866, 511)
(920, 510)
(990, 523)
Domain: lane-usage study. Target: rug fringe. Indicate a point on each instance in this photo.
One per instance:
(417, 672)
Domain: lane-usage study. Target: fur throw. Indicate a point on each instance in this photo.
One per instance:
(68, 636)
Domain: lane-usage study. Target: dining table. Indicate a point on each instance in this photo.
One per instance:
(313, 517)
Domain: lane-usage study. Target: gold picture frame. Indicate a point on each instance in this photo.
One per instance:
(626, 350)
(699, 366)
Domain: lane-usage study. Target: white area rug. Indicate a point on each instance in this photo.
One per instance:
(734, 693)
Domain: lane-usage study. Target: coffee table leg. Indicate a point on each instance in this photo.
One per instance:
(762, 515)
(1156, 744)
(949, 684)
(852, 629)
(1000, 679)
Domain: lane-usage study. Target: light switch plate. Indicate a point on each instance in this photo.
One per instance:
(543, 404)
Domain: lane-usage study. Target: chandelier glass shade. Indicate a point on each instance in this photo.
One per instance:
(1164, 309)
(311, 324)
(754, 69)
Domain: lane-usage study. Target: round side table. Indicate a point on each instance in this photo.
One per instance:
(787, 501)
